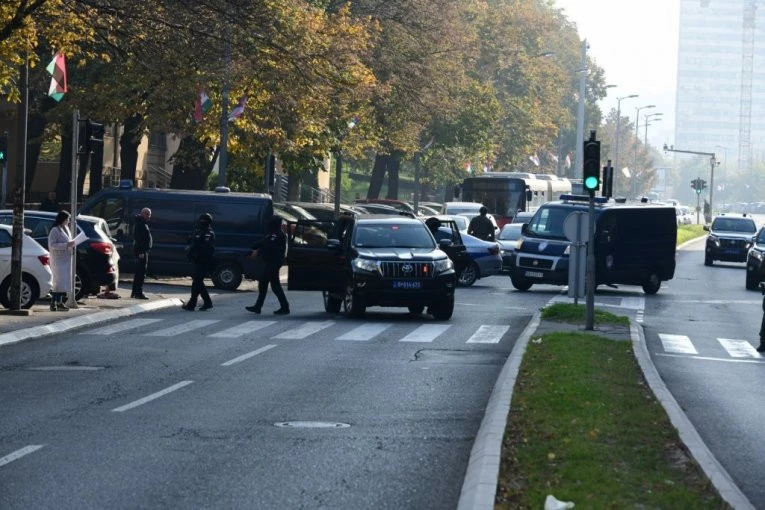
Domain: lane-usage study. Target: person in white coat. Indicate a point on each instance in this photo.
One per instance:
(60, 244)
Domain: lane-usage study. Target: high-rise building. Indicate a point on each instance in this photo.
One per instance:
(720, 105)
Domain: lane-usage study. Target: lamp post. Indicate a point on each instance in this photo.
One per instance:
(725, 169)
(646, 123)
(619, 128)
(578, 159)
(637, 139)
(339, 166)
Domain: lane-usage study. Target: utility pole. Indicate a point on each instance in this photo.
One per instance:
(713, 164)
(20, 192)
(578, 158)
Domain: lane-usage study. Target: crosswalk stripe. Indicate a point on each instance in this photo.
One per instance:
(365, 332)
(247, 356)
(679, 344)
(243, 329)
(425, 333)
(488, 335)
(182, 328)
(19, 453)
(121, 326)
(307, 329)
(739, 348)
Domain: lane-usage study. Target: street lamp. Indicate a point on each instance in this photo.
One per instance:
(725, 168)
(339, 165)
(637, 139)
(619, 126)
(646, 123)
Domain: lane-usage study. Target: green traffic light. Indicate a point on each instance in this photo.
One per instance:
(591, 183)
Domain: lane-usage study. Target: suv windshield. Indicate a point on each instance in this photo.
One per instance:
(734, 225)
(384, 235)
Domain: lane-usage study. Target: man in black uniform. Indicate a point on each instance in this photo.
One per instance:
(201, 253)
(481, 226)
(271, 249)
(50, 203)
(141, 245)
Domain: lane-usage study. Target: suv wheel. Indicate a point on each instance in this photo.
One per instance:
(30, 292)
(332, 303)
(442, 310)
(520, 283)
(227, 276)
(354, 304)
(751, 280)
(652, 284)
(468, 275)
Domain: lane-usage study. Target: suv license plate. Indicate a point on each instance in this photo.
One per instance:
(398, 284)
(534, 274)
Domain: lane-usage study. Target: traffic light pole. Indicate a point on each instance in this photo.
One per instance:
(713, 164)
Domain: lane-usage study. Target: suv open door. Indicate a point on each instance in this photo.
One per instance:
(315, 261)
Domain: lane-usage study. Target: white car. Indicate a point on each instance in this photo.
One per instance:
(36, 276)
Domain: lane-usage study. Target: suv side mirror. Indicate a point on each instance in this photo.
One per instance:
(445, 243)
(525, 228)
(706, 227)
(333, 244)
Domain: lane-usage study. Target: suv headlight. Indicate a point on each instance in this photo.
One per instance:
(442, 266)
(756, 254)
(714, 240)
(369, 266)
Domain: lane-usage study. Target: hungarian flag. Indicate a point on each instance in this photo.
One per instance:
(238, 110)
(201, 106)
(57, 70)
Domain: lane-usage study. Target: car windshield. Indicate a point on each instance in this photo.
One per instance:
(510, 233)
(392, 236)
(734, 225)
(548, 222)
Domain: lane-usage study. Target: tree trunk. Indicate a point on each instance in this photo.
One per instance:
(129, 147)
(36, 123)
(378, 175)
(394, 165)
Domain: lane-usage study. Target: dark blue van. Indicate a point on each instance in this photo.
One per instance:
(239, 221)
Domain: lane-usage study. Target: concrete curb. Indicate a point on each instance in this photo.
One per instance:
(84, 320)
(717, 474)
(480, 485)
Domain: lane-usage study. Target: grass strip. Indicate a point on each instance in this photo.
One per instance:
(688, 232)
(585, 427)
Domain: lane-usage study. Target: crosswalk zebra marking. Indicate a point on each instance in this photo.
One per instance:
(242, 329)
(488, 335)
(247, 356)
(679, 344)
(182, 328)
(307, 329)
(739, 348)
(425, 333)
(365, 332)
(121, 326)
(19, 453)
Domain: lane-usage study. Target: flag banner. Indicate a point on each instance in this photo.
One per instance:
(552, 156)
(534, 159)
(238, 110)
(201, 106)
(57, 70)
(468, 167)
(568, 160)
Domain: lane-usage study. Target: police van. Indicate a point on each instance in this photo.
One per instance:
(634, 244)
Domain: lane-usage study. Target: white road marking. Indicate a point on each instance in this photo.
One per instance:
(182, 328)
(710, 358)
(247, 356)
(151, 397)
(307, 329)
(365, 332)
(121, 326)
(19, 453)
(65, 368)
(425, 333)
(678, 344)
(739, 348)
(488, 335)
(243, 329)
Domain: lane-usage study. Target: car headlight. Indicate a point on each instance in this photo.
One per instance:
(567, 251)
(712, 239)
(369, 266)
(442, 266)
(756, 254)
(518, 244)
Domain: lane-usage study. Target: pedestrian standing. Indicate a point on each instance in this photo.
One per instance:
(50, 203)
(141, 246)
(201, 253)
(271, 249)
(481, 226)
(60, 244)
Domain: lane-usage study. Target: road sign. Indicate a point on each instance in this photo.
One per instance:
(576, 227)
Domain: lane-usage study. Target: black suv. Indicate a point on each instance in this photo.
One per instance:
(373, 261)
(755, 261)
(97, 257)
(729, 239)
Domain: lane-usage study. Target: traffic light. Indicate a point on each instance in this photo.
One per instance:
(591, 166)
(693, 184)
(3, 147)
(698, 185)
(91, 135)
(703, 184)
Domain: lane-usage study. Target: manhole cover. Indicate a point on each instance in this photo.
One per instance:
(313, 424)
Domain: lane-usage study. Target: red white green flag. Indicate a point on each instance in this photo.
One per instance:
(201, 106)
(238, 110)
(57, 70)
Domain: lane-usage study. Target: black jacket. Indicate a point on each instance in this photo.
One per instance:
(482, 228)
(272, 248)
(142, 240)
(201, 249)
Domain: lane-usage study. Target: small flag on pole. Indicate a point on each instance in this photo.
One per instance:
(534, 159)
(468, 167)
(568, 160)
(201, 106)
(57, 70)
(238, 110)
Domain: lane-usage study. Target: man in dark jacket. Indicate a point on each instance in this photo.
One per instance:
(50, 203)
(271, 249)
(481, 226)
(141, 246)
(201, 253)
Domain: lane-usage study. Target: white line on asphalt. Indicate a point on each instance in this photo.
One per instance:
(739, 348)
(243, 329)
(120, 327)
(678, 344)
(247, 356)
(425, 333)
(151, 397)
(182, 328)
(20, 453)
(365, 332)
(709, 358)
(488, 335)
(65, 368)
(307, 329)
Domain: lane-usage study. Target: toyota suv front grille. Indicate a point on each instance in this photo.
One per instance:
(406, 269)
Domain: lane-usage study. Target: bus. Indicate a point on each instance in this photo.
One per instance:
(505, 193)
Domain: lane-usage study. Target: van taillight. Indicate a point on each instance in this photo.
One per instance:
(44, 260)
(105, 248)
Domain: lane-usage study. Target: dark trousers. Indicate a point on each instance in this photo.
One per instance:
(140, 275)
(198, 288)
(271, 276)
(762, 324)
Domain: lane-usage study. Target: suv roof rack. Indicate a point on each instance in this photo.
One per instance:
(583, 198)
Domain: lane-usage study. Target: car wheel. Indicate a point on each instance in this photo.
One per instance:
(751, 280)
(707, 260)
(443, 310)
(520, 283)
(652, 284)
(81, 286)
(354, 304)
(30, 292)
(332, 304)
(468, 275)
(416, 309)
(227, 276)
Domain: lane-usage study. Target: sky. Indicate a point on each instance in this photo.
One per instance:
(635, 42)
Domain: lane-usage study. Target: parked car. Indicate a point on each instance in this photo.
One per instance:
(486, 260)
(400, 205)
(36, 276)
(97, 257)
(730, 237)
(755, 261)
(508, 240)
(324, 211)
(294, 210)
(684, 216)
(522, 217)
